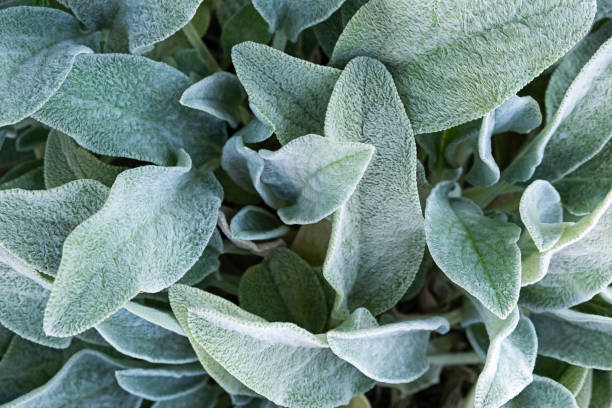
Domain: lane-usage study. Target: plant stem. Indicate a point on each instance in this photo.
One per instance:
(279, 41)
(485, 196)
(196, 42)
(449, 359)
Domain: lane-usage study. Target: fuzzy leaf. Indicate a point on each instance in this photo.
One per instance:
(291, 93)
(543, 393)
(245, 25)
(160, 384)
(541, 212)
(151, 211)
(377, 237)
(254, 223)
(127, 106)
(329, 30)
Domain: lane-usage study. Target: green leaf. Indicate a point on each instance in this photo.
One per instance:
(244, 166)
(578, 130)
(576, 338)
(430, 46)
(284, 288)
(138, 117)
(475, 252)
(315, 175)
(208, 262)
(329, 30)
(602, 389)
(35, 224)
(290, 93)
(357, 345)
(136, 337)
(66, 161)
(255, 223)
(543, 393)
(245, 25)
(260, 249)
(150, 211)
(31, 180)
(87, 379)
(291, 18)
(160, 384)
(300, 368)
(35, 59)
(541, 212)
(204, 396)
(32, 138)
(219, 94)
(377, 237)
(255, 131)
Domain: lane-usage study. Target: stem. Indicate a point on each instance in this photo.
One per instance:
(450, 359)
(485, 196)
(454, 316)
(279, 41)
(196, 42)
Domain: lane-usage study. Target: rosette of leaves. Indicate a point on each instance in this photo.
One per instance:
(326, 203)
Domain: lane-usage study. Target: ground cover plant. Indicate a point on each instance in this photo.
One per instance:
(310, 204)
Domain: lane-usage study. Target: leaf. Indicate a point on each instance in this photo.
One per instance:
(161, 384)
(35, 60)
(32, 138)
(578, 267)
(430, 46)
(291, 18)
(543, 393)
(87, 379)
(219, 95)
(377, 239)
(357, 346)
(316, 175)
(141, 24)
(245, 25)
(138, 116)
(475, 252)
(150, 211)
(207, 264)
(541, 212)
(244, 166)
(602, 389)
(578, 130)
(204, 396)
(300, 370)
(284, 288)
(139, 338)
(255, 131)
(576, 338)
(66, 161)
(329, 30)
(255, 223)
(182, 297)
(35, 224)
(261, 249)
(31, 180)
(290, 93)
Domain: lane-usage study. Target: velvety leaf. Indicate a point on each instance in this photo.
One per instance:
(66, 161)
(358, 345)
(280, 361)
(577, 338)
(315, 175)
(204, 396)
(260, 249)
(285, 288)
(31, 180)
(291, 93)
(160, 384)
(329, 30)
(429, 47)
(245, 25)
(541, 212)
(543, 393)
(207, 264)
(127, 106)
(244, 166)
(255, 223)
(35, 59)
(377, 240)
(311, 242)
(255, 131)
(219, 94)
(291, 18)
(475, 252)
(150, 211)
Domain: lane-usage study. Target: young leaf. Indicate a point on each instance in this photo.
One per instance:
(377, 237)
(284, 288)
(329, 30)
(245, 25)
(543, 393)
(291, 93)
(255, 131)
(34, 59)
(138, 117)
(150, 211)
(254, 223)
(315, 175)
(541, 212)
(357, 345)
(204, 396)
(576, 338)
(433, 43)
(478, 253)
(290, 18)
(160, 384)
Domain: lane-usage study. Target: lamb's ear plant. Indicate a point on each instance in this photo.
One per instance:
(315, 204)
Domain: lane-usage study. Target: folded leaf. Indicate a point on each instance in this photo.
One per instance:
(541, 212)
(314, 175)
(377, 237)
(160, 384)
(35, 59)
(204, 396)
(291, 93)
(255, 223)
(285, 288)
(255, 131)
(577, 338)
(543, 393)
(476, 252)
(429, 47)
(138, 117)
(150, 211)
